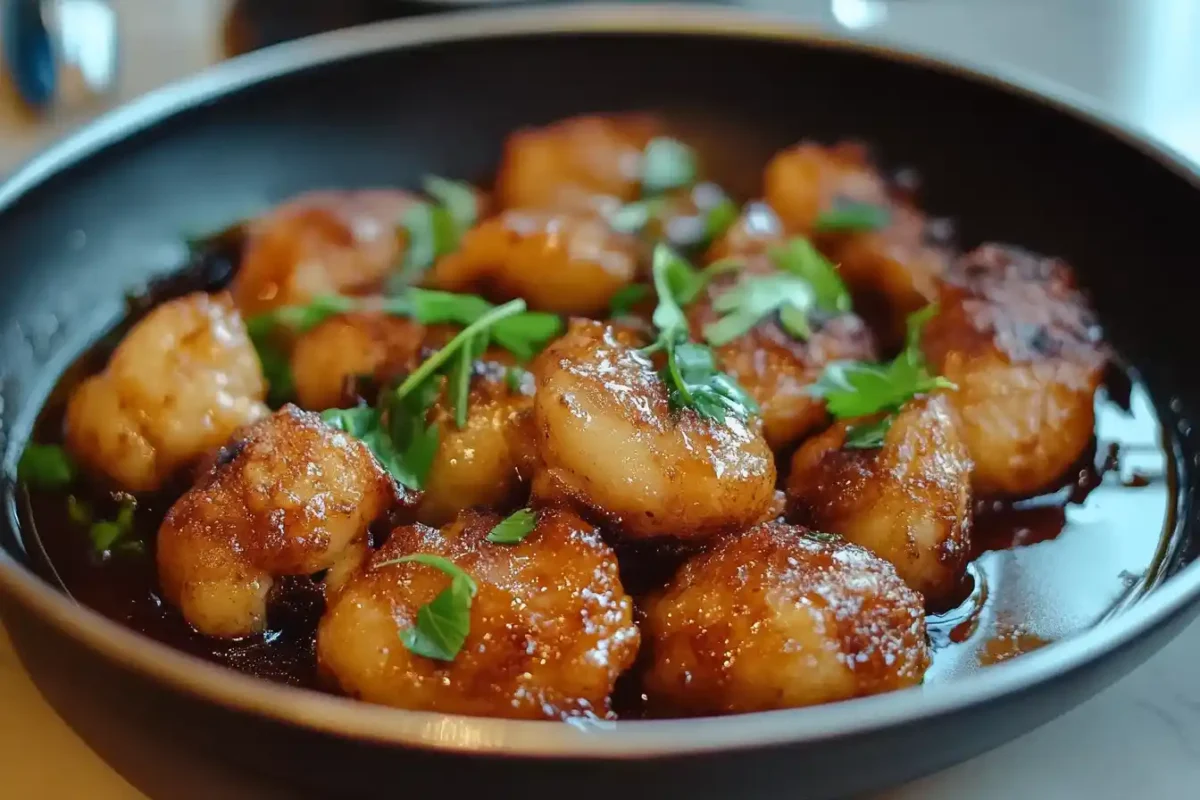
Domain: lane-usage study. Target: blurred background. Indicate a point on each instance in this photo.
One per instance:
(66, 60)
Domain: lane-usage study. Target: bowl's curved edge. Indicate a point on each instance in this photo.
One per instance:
(633, 739)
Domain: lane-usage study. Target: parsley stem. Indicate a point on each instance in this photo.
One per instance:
(434, 362)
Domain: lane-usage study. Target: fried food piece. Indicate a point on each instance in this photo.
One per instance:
(1024, 348)
(344, 347)
(776, 618)
(286, 499)
(776, 368)
(609, 442)
(568, 263)
(589, 163)
(908, 501)
(489, 461)
(326, 242)
(551, 627)
(891, 271)
(178, 385)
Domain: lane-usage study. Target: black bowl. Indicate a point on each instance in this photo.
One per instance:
(385, 104)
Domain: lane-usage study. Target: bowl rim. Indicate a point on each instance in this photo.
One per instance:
(588, 739)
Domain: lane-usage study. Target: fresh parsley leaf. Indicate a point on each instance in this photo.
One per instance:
(858, 388)
(443, 623)
(852, 217)
(632, 217)
(667, 164)
(514, 528)
(263, 330)
(868, 435)
(458, 198)
(397, 436)
(626, 298)
(794, 320)
(523, 334)
(756, 297)
(106, 534)
(46, 466)
(800, 258)
(719, 218)
(431, 232)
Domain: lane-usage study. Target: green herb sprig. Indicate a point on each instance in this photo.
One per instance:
(106, 535)
(514, 528)
(800, 258)
(444, 622)
(853, 389)
(436, 228)
(850, 217)
(690, 372)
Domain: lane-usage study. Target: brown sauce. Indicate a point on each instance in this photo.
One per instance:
(1054, 563)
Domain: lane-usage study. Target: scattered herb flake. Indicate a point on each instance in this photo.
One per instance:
(868, 435)
(514, 528)
(46, 466)
(107, 533)
(458, 198)
(667, 164)
(626, 298)
(755, 298)
(800, 258)
(443, 623)
(849, 217)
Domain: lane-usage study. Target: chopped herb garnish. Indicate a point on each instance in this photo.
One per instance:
(523, 334)
(632, 217)
(514, 528)
(756, 297)
(263, 331)
(514, 378)
(667, 164)
(868, 435)
(458, 198)
(625, 298)
(820, 536)
(46, 466)
(459, 374)
(719, 218)
(690, 373)
(106, 534)
(443, 623)
(801, 259)
(850, 217)
(854, 389)
(78, 511)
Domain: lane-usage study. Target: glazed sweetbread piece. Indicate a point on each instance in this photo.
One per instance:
(1026, 353)
(908, 500)
(551, 627)
(178, 385)
(321, 243)
(609, 442)
(287, 497)
(775, 617)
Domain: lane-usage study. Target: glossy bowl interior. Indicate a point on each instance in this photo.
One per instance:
(110, 207)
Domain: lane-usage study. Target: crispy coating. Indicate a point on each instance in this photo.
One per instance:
(551, 627)
(286, 499)
(320, 243)
(179, 384)
(892, 271)
(1023, 346)
(609, 442)
(808, 178)
(488, 462)
(564, 262)
(774, 618)
(756, 230)
(325, 358)
(909, 501)
(586, 163)
(777, 369)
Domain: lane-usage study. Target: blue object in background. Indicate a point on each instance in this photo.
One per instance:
(28, 51)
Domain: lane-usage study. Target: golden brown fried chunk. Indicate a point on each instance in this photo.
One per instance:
(347, 346)
(580, 164)
(908, 501)
(327, 242)
(892, 271)
(487, 462)
(777, 369)
(609, 441)
(551, 627)
(775, 618)
(563, 262)
(286, 499)
(1024, 349)
(181, 382)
